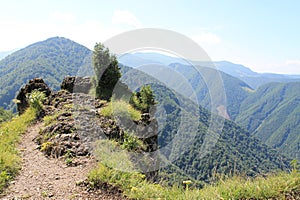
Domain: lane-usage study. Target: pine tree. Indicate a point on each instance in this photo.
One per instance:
(107, 71)
(144, 99)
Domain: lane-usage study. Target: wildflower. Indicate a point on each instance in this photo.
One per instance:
(187, 183)
(133, 189)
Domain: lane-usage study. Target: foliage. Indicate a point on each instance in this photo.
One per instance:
(121, 109)
(107, 72)
(131, 142)
(5, 115)
(47, 147)
(69, 157)
(36, 99)
(110, 154)
(144, 99)
(9, 136)
(50, 119)
(295, 166)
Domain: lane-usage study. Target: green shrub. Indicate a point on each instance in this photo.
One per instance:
(144, 99)
(131, 142)
(47, 147)
(36, 99)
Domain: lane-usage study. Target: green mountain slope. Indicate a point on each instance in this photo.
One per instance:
(235, 152)
(272, 113)
(204, 153)
(270, 109)
(52, 60)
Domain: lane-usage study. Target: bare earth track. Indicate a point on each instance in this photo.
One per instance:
(48, 178)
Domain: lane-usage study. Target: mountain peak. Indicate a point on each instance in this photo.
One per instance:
(51, 59)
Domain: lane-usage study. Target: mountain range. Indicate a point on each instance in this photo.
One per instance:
(253, 79)
(266, 105)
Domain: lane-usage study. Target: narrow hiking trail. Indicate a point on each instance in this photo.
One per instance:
(49, 178)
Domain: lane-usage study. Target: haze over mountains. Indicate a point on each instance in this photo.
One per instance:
(266, 109)
(250, 77)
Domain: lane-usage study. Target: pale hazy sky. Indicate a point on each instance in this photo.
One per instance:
(262, 35)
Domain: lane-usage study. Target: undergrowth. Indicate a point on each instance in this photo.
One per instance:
(9, 137)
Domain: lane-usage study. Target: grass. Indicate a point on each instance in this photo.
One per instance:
(134, 185)
(9, 137)
(121, 109)
(276, 185)
(51, 119)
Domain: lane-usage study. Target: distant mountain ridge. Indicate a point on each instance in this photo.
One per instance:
(254, 79)
(241, 72)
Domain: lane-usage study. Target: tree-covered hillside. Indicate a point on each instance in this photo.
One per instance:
(235, 90)
(235, 152)
(206, 152)
(52, 60)
(272, 113)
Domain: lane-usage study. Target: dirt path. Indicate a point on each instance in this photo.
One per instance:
(44, 178)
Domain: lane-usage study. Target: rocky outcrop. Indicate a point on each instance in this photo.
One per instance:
(77, 84)
(73, 124)
(34, 84)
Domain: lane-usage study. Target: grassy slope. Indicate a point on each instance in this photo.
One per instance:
(5, 115)
(9, 136)
(134, 185)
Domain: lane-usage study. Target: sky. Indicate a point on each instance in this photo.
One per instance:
(262, 35)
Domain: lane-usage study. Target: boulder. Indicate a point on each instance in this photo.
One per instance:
(77, 84)
(33, 84)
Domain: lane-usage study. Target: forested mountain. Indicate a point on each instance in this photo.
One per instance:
(235, 151)
(272, 113)
(52, 60)
(269, 112)
(234, 89)
(205, 153)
